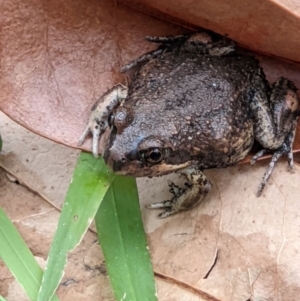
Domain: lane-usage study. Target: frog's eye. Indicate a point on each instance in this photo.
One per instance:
(153, 155)
(110, 119)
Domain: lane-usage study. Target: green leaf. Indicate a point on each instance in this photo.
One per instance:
(18, 258)
(123, 241)
(90, 182)
(1, 298)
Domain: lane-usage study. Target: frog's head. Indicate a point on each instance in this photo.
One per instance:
(141, 144)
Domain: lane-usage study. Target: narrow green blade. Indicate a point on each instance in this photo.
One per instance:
(122, 238)
(18, 258)
(90, 182)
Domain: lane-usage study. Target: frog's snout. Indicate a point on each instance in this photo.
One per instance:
(114, 160)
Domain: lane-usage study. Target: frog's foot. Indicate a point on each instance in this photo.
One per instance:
(185, 198)
(264, 151)
(98, 120)
(277, 154)
(285, 149)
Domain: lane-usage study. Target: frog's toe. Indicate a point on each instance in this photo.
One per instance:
(258, 155)
(167, 205)
(167, 213)
(284, 149)
(96, 136)
(159, 205)
(84, 135)
(290, 158)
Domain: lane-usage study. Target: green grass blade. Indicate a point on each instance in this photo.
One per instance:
(2, 299)
(122, 238)
(18, 258)
(90, 182)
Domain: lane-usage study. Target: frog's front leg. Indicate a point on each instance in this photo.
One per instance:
(195, 190)
(275, 122)
(98, 120)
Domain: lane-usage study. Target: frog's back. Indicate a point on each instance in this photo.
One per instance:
(205, 97)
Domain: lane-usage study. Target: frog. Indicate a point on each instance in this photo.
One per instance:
(193, 103)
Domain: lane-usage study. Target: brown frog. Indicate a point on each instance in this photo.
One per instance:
(194, 103)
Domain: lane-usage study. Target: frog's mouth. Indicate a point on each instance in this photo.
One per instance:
(153, 171)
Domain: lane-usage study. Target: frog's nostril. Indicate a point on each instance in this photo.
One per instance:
(117, 165)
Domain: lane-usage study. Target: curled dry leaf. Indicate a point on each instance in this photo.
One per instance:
(256, 239)
(269, 26)
(57, 59)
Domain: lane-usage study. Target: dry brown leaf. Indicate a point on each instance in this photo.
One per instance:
(36, 162)
(58, 58)
(256, 239)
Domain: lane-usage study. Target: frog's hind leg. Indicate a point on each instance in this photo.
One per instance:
(199, 42)
(275, 123)
(208, 44)
(195, 190)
